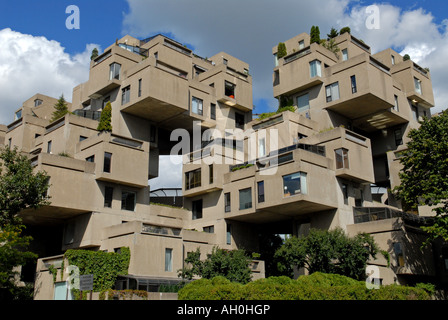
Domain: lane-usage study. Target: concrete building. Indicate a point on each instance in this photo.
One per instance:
(328, 164)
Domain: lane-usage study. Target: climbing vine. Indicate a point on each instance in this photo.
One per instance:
(105, 266)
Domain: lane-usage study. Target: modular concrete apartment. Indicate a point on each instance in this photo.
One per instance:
(328, 164)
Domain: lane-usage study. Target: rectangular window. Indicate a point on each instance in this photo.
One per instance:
(345, 192)
(398, 250)
(315, 69)
(192, 179)
(396, 102)
(398, 137)
(18, 115)
(196, 106)
(260, 187)
(353, 82)
(303, 103)
(332, 92)
(139, 87)
(209, 229)
(227, 202)
(229, 90)
(168, 259)
(341, 158)
(107, 162)
(301, 44)
(108, 196)
(418, 86)
(114, 71)
(229, 234)
(261, 147)
(294, 184)
(37, 102)
(90, 159)
(245, 198)
(210, 173)
(49, 146)
(213, 111)
(128, 200)
(344, 55)
(196, 208)
(393, 60)
(125, 95)
(414, 110)
(239, 120)
(275, 60)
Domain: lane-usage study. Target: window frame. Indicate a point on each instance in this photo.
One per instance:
(260, 192)
(341, 157)
(125, 95)
(331, 88)
(124, 205)
(197, 106)
(107, 162)
(247, 204)
(315, 68)
(302, 176)
(107, 195)
(195, 180)
(113, 73)
(227, 202)
(195, 215)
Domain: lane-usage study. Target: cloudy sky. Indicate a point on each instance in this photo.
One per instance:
(38, 53)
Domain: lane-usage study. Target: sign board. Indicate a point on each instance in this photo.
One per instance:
(86, 282)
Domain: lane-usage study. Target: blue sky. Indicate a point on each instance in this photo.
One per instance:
(40, 55)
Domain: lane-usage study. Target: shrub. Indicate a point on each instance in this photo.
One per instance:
(318, 286)
(344, 30)
(105, 123)
(281, 50)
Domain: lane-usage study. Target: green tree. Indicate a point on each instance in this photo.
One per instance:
(406, 57)
(20, 189)
(327, 251)
(331, 45)
(424, 174)
(333, 33)
(344, 30)
(314, 35)
(94, 54)
(105, 123)
(231, 264)
(281, 50)
(61, 109)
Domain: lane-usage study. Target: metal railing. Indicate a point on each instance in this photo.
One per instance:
(367, 214)
(89, 114)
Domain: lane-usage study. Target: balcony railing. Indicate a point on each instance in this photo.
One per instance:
(367, 214)
(89, 114)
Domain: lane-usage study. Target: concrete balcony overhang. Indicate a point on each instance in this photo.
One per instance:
(417, 98)
(299, 87)
(379, 120)
(108, 87)
(291, 207)
(348, 174)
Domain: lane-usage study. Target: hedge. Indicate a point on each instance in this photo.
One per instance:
(318, 286)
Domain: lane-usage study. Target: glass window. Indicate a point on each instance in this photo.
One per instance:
(210, 173)
(227, 202)
(196, 207)
(229, 234)
(192, 179)
(418, 86)
(260, 187)
(114, 71)
(49, 146)
(398, 250)
(396, 102)
(245, 198)
(128, 200)
(18, 114)
(139, 87)
(303, 103)
(239, 120)
(398, 137)
(168, 259)
(125, 95)
(229, 90)
(213, 111)
(37, 102)
(209, 229)
(261, 147)
(332, 92)
(196, 106)
(301, 44)
(275, 60)
(344, 54)
(345, 192)
(353, 82)
(341, 158)
(294, 184)
(107, 162)
(414, 112)
(90, 159)
(315, 69)
(393, 59)
(108, 195)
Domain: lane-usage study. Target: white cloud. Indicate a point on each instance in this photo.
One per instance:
(170, 173)
(31, 64)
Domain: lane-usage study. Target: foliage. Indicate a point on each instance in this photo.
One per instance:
(317, 286)
(284, 101)
(314, 35)
(333, 33)
(105, 266)
(105, 123)
(94, 54)
(281, 50)
(61, 109)
(406, 57)
(12, 254)
(123, 294)
(231, 264)
(344, 30)
(331, 45)
(279, 110)
(327, 251)
(424, 174)
(20, 188)
(242, 167)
